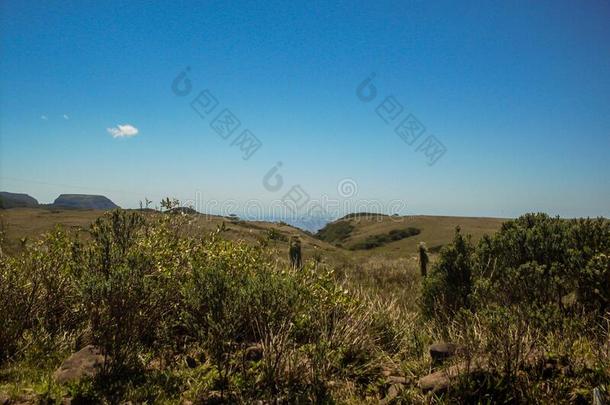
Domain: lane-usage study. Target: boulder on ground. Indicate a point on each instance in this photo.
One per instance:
(254, 352)
(439, 352)
(87, 362)
(439, 381)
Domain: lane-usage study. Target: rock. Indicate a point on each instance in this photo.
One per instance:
(393, 392)
(439, 381)
(84, 363)
(436, 382)
(394, 379)
(439, 352)
(4, 399)
(254, 353)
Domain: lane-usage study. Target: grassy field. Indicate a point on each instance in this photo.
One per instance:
(436, 231)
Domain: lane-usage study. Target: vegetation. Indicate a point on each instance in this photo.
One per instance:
(532, 300)
(335, 232)
(374, 241)
(185, 316)
(148, 295)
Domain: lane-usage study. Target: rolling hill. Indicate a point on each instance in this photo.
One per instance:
(356, 231)
(398, 237)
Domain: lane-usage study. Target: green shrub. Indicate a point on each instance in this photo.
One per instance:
(449, 286)
(125, 293)
(17, 299)
(38, 293)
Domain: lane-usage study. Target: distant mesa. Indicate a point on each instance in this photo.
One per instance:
(16, 200)
(84, 201)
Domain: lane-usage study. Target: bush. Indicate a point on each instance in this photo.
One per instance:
(449, 286)
(125, 293)
(17, 299)
(38, 293)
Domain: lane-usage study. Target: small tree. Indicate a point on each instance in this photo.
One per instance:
(449, 286)
(423, 259)
(295, 252)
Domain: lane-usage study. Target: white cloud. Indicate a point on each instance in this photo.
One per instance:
(44, 117)
(66, 117)
(123, 131)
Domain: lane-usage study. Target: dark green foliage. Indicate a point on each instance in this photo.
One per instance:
(449, 286)
(594, 284)
(335, 232)
(534, 261)
(379, 240)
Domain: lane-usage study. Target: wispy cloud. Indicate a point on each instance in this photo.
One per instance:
(66, 117)
(123, 131)
(44, 117)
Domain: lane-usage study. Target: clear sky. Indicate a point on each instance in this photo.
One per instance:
(518, 93)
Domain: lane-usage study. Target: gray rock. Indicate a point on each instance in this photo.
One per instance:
(87, 362)
(439, 352)
(394, 379)
(439, 381)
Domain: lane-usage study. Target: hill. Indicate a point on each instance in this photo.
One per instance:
(31, 223)
(393, 236)
(356, 238)
(84, 201)
(14, 200)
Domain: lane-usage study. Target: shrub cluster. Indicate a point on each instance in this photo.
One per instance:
(147, 295)
(527, 302)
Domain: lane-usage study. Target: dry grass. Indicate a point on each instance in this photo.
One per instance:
(436, 231)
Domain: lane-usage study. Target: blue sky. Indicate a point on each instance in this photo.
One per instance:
(517, 92)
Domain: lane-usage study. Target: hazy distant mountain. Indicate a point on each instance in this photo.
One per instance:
(96, 202)
(14, 200)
